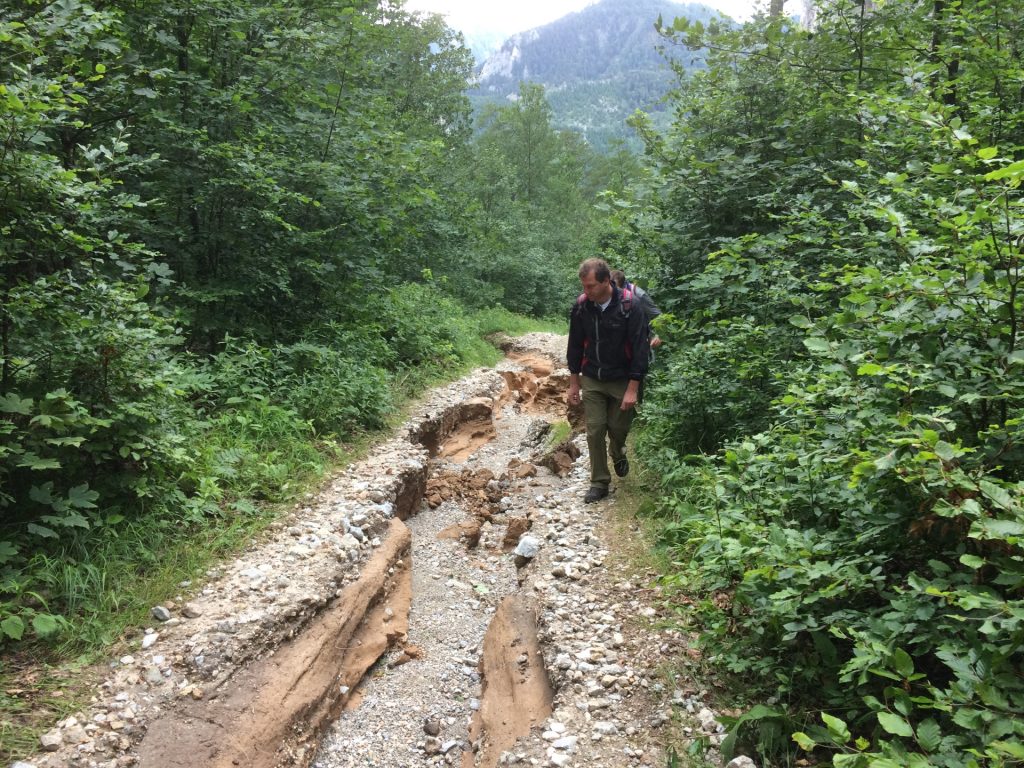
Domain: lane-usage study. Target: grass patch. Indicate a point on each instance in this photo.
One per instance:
(35, 694)
(560, 432)
(500, 320)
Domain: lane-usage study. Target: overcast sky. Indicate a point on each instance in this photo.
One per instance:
(513, 16)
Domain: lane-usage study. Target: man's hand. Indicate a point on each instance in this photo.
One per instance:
(632, 392)
(574, 389)
(655, 342)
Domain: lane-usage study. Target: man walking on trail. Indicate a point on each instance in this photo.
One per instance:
(608, 354)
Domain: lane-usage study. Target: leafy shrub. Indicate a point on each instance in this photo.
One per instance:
(95, 425)
(333, 390)
(710, 390)
(864, 551)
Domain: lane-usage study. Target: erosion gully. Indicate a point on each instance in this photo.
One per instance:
(427, 653)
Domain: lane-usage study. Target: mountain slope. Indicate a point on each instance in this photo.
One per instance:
(597, 65)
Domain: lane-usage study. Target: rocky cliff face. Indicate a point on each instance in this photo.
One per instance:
(597, 66)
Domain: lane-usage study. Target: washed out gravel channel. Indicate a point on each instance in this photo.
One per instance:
(447, 601)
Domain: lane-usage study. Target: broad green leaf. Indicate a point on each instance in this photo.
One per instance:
(945, 451)
(989, 528)
(988, 153)
(42, 531)
(1014, 749)
(800, 321)
(81, 497)
(895, 724)
(902, 662)
(929, 735)
(1013, 169)
(849, 761)
(817, 344)
(997, 494)
(13, 627)
(33, 462)
(44, 624)
(972, 561)
(13, 404)
(805, 742)
(7, 551)
(837, 728)
(870, 369)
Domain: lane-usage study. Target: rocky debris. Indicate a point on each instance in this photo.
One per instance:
(271, 593)
(526, 550)
(561, 458)
(741, 762)
(52, 740)
(271, 709)
(160, 613)
(479, 489)
(514, 530)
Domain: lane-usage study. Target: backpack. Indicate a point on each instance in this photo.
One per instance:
(625, 305)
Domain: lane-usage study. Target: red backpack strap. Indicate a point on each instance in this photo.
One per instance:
(627, 300)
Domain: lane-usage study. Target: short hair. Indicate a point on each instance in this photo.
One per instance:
(619, 278)
(599, 267)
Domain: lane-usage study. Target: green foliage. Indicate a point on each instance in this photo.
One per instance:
(191, 309)
(532, 192)
(844, 348)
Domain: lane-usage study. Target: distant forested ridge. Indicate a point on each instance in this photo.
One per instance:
(598, 65)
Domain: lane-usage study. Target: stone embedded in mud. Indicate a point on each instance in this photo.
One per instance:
(524, 471)
(528, 547)
(432, 726)
(741, 762)
(51, 741)
(160, 613)
(517, 526)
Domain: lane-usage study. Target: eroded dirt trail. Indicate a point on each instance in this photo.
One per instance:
(447, 601)
(475, 679)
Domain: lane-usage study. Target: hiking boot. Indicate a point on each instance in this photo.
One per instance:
(622, 467)
(596, 493)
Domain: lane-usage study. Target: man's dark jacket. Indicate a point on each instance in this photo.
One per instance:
(612, 345)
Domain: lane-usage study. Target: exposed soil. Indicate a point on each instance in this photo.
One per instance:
(486, 629)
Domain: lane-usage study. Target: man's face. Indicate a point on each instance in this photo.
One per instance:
(595, 291)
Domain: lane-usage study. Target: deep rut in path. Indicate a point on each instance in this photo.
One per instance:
(403, 645)
(479, 681)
